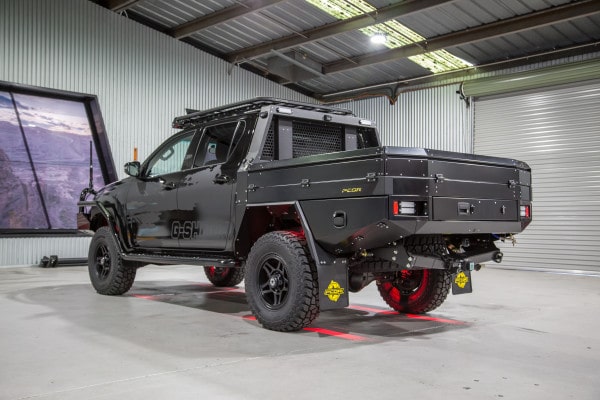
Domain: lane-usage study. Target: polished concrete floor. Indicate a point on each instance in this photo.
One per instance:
(520, 335)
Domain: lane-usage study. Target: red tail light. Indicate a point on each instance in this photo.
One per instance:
(526, 211)
(404, 207)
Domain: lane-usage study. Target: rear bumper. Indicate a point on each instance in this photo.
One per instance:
(419, 227)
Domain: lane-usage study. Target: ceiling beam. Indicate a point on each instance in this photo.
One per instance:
(362, 21)
(224, 15)
(121, 5)
(397, 87)
(504, 27)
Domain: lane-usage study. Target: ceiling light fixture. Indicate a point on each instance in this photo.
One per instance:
(379, 38)
(396, 34)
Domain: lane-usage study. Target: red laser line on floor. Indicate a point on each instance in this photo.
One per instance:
(221, 289)
(435, 319)
(322, 331)
(341, 335)
(348, 336)
(372, 310)
(144, 296)
(411, 316)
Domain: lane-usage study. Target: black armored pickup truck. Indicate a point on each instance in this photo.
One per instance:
(304, 203)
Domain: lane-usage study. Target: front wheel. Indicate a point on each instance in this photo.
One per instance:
(281, 282)
(109, 274)
(416, 291)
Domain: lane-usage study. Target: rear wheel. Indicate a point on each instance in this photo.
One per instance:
(224, 276)
(281, 282)
(109, 274)
(416, 291)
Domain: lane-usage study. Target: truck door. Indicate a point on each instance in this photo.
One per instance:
(206, 193)
(152, 200)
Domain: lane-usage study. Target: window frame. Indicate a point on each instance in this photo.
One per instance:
(98, 136)
(170, 142)
(240, 129)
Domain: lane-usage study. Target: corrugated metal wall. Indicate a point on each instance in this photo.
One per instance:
(556, 131)
(20, 251)
(142, 79)
(435, 118)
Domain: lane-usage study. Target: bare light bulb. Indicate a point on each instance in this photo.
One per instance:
(378, 38)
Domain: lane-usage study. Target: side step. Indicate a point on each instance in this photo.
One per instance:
(172, 260)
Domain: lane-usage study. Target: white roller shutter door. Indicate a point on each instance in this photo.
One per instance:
(557, 132)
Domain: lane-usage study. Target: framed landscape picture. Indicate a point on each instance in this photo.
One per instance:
(45, 142)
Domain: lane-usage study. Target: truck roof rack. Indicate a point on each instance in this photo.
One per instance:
(249, 105)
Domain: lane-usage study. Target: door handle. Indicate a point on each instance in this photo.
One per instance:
(167, 185)
(221, 179)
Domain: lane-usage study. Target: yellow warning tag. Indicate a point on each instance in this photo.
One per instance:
(334, 291)
(461, 280)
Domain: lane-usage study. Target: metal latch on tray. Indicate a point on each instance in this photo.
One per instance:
(465, 208)
(371, 177)
(252, 187)
(305, 183)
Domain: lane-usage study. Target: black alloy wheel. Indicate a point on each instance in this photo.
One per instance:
(109, 274)
(281, 282)
(273, 282)
(102, 262)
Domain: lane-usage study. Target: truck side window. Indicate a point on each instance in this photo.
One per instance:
(170, 158)
(216, 143)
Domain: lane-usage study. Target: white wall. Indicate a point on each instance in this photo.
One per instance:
(142, 79)
(434, 118)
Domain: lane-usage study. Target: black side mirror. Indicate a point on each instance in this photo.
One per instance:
(132, 168)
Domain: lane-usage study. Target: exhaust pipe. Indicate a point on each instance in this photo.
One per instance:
(498, 257)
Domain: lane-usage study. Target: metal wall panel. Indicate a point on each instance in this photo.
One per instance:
(435, 118)
(142, 78)
(529, 80)
(24, 251)
(556, 131)
(476, 73)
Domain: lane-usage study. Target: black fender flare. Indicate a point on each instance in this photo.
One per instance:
(116, 226)
(332, 271)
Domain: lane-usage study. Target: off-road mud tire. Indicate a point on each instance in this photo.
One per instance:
(281, 282)
(425, 292)
(225, 276)
(108, 273)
